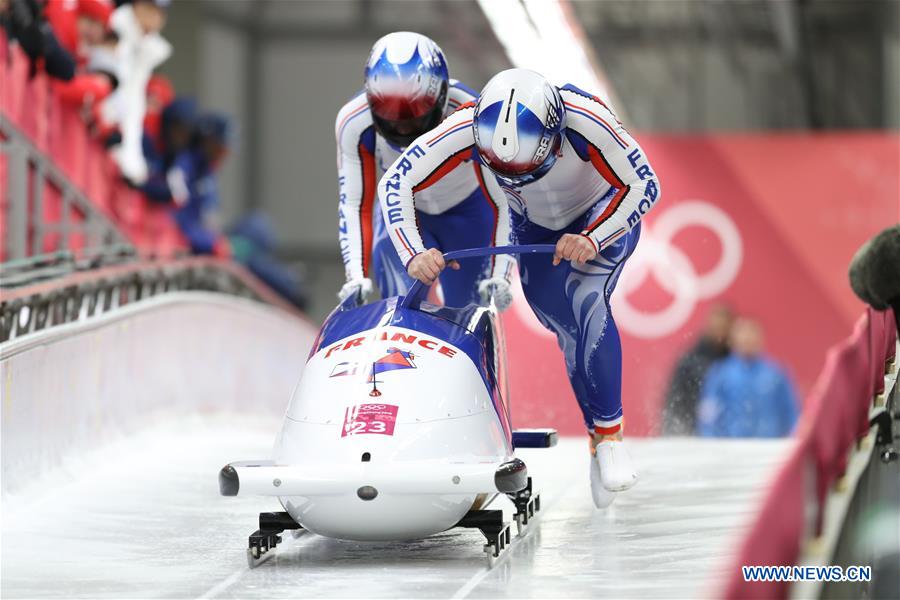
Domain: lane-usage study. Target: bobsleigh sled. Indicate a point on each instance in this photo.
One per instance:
(398, 429)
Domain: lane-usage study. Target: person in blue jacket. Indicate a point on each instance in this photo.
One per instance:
(161, 150)
(747, 394)
(193, 182)
(194, 186)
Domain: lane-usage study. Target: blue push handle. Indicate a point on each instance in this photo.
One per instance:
(416, 293)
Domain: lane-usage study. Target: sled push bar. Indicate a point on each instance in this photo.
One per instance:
(418, 290)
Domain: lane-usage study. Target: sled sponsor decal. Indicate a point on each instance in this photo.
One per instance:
(413, 339)
(394, 360)
(344, 369)
(369, 418)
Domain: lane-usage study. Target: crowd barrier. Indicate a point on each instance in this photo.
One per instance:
(834, 421)
(59, 131)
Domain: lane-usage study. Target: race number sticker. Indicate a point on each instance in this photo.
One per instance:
(369, 418)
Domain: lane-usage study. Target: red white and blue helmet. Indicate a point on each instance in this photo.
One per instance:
(406, 86)
(518, 125)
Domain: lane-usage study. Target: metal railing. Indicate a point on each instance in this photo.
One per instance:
(41, 267)
(28, 172)
(82, 294)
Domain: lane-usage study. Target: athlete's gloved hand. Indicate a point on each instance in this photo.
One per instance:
(574, 247)
(362, 286)
(499, 289)
(426, 266)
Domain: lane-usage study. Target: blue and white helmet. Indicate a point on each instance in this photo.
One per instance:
(406, 86)
(518, 125)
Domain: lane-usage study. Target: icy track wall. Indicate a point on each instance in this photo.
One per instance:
(70, 388)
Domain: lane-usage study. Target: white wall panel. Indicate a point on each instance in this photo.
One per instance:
(70, 388)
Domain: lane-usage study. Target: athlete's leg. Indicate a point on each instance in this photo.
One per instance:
(597, 375)
(573, 301)
(600, 374)
(545, 290)
(469, 224)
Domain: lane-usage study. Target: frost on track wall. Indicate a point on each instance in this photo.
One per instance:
(70, 388)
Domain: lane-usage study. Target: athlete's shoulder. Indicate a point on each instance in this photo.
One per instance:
(353, 119)
(591, 117)
(464, 111)
(459, 94)
(572, 94)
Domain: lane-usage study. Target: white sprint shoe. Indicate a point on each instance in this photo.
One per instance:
(616, 471)
(602, 496)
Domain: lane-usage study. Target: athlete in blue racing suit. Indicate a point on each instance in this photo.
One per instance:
(573, 177)
(407, 93)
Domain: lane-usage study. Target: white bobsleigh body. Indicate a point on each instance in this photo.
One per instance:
(398, 429)
(401, 413)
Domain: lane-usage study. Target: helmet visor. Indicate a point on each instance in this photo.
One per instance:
(402, 132)
(519, 174)
(401, 120)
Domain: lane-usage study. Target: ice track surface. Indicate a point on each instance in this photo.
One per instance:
(143, 518)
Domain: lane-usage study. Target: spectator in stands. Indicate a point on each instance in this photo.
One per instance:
(177, 127)
(93, 83)
(160, 94)
(194, 186)
(162, 143)
(746, 394)
(141, 49)
(679, 413)
(81, 26)
(23, 22)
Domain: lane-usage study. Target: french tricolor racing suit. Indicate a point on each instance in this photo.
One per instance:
(600, 186)
(465, 209)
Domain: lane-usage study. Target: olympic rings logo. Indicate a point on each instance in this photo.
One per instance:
(672, 269)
